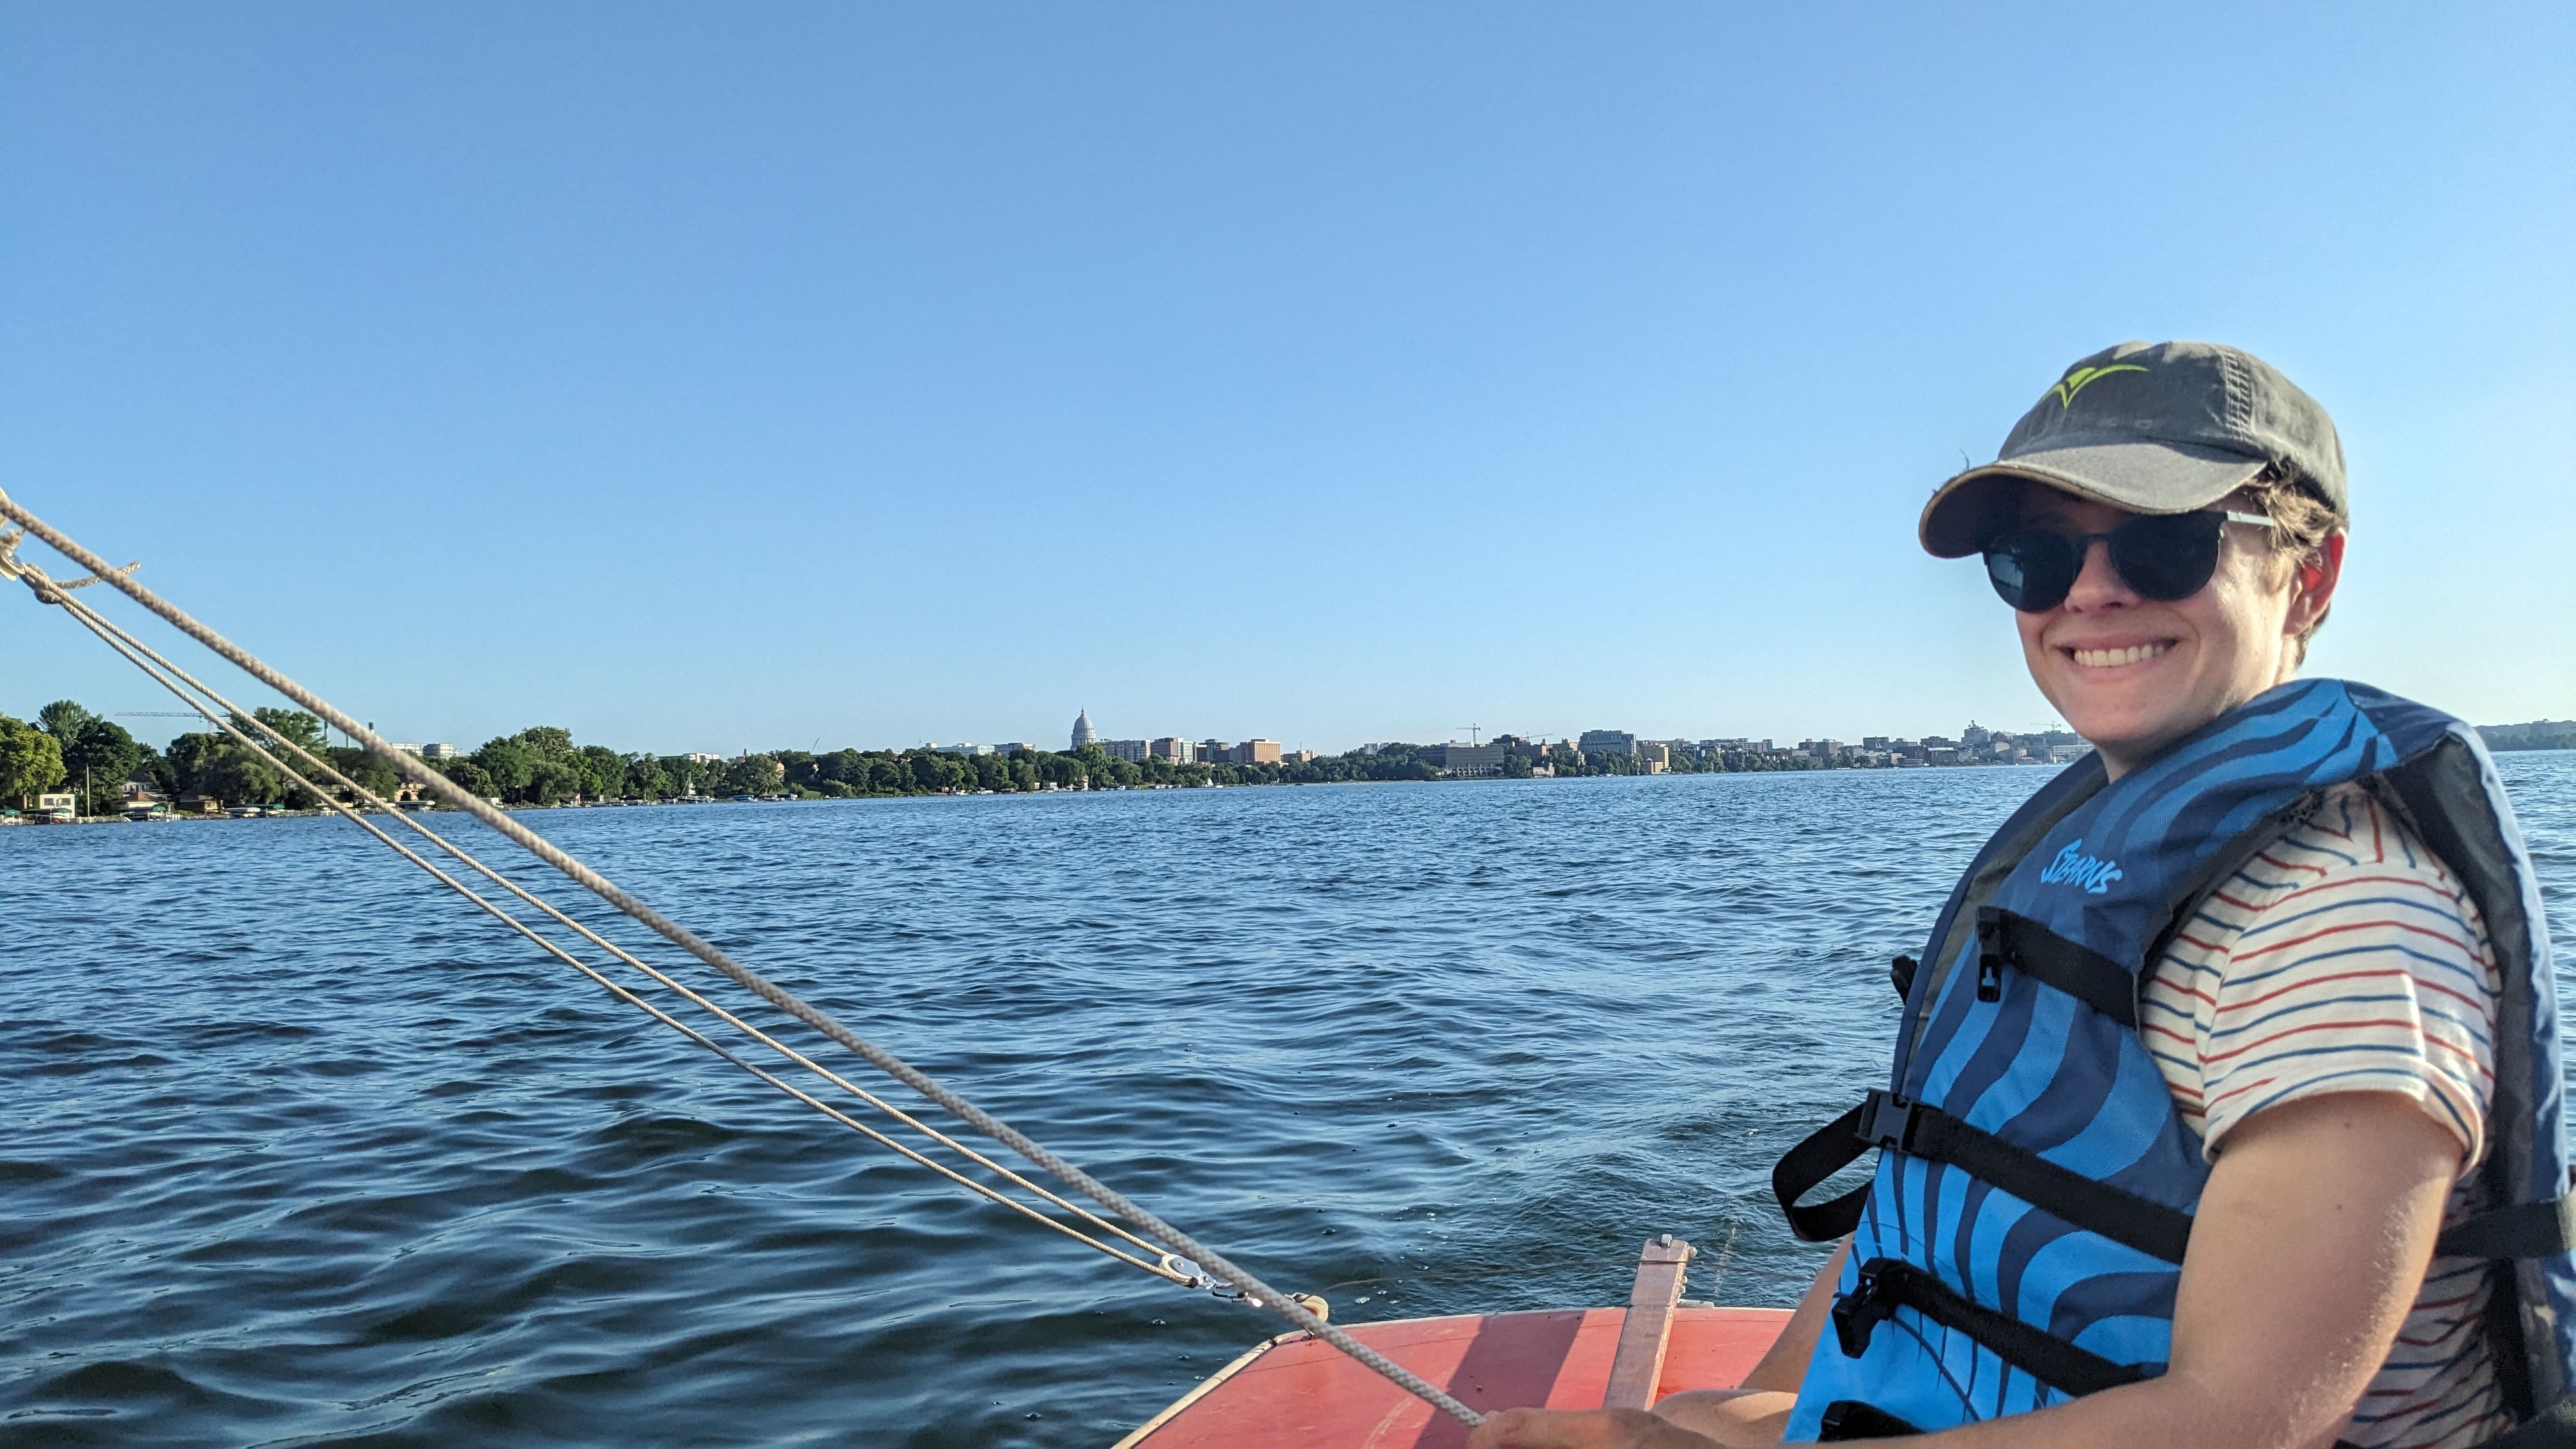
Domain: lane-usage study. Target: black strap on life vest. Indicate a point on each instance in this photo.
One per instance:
(1887, 1284)
(1885, 1120)
(1900, 974)
(1819, 1155)
(1847, 1419)
(2525, 1230)
(2005, 939)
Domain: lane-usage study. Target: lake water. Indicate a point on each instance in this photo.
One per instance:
(301, 1149)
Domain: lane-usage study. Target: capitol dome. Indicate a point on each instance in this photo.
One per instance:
(1083, 734)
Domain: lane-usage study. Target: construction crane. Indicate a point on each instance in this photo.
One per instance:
(1471, 733)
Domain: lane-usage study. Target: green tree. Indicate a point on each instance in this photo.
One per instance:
(473, 779)
(31, 760)
(754, 775)
(234, 775)
(797, 768)
(302, 730)
(603, 773)
(550, 782)
(186, 762)
(99, 760)
(64, 720)
(295, 725)
(550, 741)
(507, 763)
(374, 773)
(646, 778)
(157, 766)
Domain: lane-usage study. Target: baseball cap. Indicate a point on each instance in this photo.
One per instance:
(2163, 427)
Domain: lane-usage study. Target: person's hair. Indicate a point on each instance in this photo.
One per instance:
(2301, 523)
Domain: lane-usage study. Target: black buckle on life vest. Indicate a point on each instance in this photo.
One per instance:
(1990, 956)
(2005, 939)
(1887, 1120)
(1859, 1313)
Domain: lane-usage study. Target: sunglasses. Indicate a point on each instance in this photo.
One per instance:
(2161, 556)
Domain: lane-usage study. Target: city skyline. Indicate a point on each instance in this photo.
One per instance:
(28, 707)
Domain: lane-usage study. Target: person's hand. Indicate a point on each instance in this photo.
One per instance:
(1591, 1429)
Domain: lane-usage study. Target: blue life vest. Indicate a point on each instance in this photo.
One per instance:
(2021, 1240)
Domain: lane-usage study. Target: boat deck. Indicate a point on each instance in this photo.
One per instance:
(1297, 1390)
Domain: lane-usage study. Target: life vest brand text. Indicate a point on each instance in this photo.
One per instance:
(2072, 864)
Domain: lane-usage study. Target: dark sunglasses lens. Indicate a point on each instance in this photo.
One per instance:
(2170, 557)
(2032, 569)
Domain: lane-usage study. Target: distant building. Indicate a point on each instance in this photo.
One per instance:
(1608, 742)
(960, 748)
(1215, 752)
(1475, 762)
(1083, 733)
(1655, 755)
(1016, 747)
(1823, 750)
(1298, 757)
(1130, 750)
(701, 757)
(412, 750)
(438, 752)
(1174, 749)
(1257, 752)
(1975, 737)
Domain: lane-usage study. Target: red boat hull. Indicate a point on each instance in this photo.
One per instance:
(1298, 1391)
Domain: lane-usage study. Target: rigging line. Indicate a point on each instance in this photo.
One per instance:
(1219, 1266)
(615, 987)
(98, 621)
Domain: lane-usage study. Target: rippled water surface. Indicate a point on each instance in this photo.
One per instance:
(299, 1149)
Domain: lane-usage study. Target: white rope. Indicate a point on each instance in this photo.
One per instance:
(223, 715)
(126, 643)
(1252, 1287)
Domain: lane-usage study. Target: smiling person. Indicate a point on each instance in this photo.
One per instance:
(2225, 1108)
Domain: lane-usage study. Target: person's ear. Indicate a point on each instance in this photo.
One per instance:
(2312, 584)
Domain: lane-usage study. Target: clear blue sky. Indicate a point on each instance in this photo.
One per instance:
(719, 377)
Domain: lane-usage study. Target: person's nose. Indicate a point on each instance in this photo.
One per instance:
(2098, 585)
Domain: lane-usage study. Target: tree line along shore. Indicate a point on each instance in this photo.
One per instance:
(71, 748)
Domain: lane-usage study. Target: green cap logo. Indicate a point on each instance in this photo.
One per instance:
(2084, 377)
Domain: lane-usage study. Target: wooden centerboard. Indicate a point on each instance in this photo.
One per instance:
(1302, 1392)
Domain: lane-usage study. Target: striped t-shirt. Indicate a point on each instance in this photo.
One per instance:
(2346, 958)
